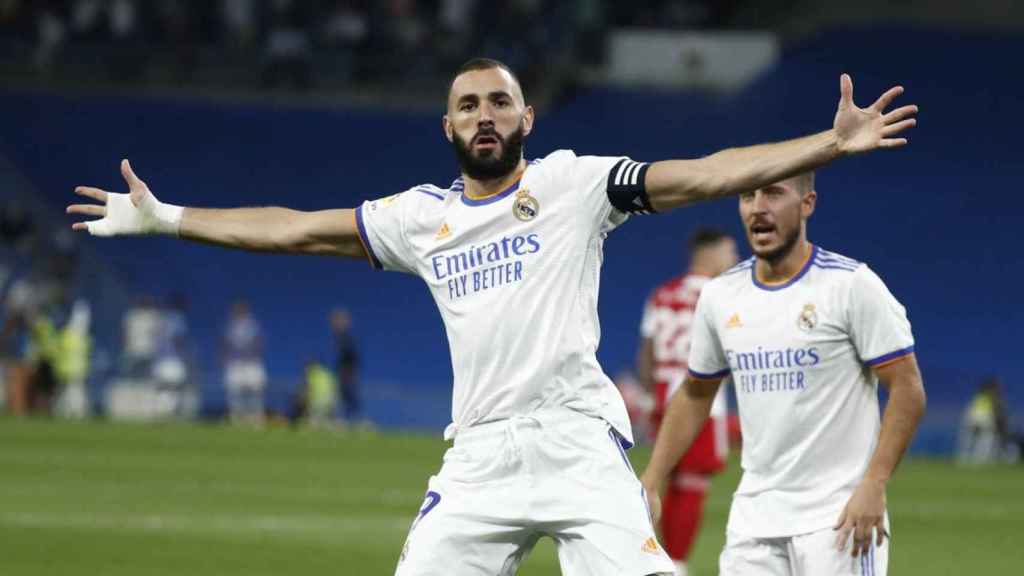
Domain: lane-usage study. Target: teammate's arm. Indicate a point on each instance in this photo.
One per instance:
(866, 509)
(687, 411)
(268, 229)
(673, 183)
(645, 363)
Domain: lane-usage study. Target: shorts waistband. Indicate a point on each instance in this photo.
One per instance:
(540, 418)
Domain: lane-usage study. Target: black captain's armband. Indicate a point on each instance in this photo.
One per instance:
(626, 189)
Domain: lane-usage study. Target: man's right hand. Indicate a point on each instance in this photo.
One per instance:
(137, 212)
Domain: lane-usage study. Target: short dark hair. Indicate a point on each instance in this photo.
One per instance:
(704, 238)
(481, 64)
(806, 181)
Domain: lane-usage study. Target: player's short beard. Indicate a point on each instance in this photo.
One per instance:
(778, 254)
(491, 166)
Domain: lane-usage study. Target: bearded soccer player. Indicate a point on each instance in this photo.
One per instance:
(807, 335)
(511, 252)
(665, 346)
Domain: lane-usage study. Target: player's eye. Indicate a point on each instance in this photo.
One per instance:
(467, 106)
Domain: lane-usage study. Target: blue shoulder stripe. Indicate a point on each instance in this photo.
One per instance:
(825, 254)
(744, 265)
(817, 264)
(430, 191)
(846, 261)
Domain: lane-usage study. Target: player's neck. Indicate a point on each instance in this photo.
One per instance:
(782, 269)
(477, 189)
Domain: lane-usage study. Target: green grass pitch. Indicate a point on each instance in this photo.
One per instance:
(174, 499)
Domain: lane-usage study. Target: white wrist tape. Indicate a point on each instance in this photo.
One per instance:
(150, 217)
(160, 218)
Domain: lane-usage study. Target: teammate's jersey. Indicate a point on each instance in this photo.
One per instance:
(668, 322)
(667, 319)
(800, 355)
(515, 276)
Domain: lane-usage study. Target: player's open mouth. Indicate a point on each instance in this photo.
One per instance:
(762, 231)
(486, 142)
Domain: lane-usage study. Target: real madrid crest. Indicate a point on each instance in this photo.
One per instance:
(525, 207)
(808, 318)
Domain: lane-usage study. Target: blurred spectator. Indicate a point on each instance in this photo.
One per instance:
(347, 366)
(51, 35)
(17, 228)
(245, 376)
(288, 47)
(347, 25)
(31, 296)
(985, 435)
(238, 18)
(140, 331)
(87, 20)
(318, 396)
(171, 369)
(72, 364)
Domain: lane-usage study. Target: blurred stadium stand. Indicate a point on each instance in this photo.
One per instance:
(936, 220)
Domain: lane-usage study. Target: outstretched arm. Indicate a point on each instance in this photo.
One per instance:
(270, 229)
(865, 510)
(675, 183)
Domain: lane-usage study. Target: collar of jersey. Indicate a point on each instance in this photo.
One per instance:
(492, 198)
(773, 286)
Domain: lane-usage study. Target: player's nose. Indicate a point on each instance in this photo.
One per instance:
(486, 113)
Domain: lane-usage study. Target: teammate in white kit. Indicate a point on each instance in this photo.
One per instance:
(511, 252)
(806, 335)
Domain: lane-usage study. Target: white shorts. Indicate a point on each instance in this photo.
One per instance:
(245, 375)
(811, 554)
(505, 484)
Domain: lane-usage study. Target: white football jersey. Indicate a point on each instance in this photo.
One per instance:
(515, 276)
(800, 355)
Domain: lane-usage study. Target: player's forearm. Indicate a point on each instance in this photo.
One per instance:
(902, 414)
(687, 411)
(645, 364)
(730, 172)
(274, 229)
(259, 229)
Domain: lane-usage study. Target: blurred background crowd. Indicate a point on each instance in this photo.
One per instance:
(330, 44)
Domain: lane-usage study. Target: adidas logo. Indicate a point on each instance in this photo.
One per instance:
(734, 322)
(650, 546)
(443, 232)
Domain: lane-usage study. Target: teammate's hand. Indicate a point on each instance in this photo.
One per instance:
(137, 212)
(866, 129)
(864, 512)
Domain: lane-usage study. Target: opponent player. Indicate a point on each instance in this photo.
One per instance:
(511, 252)
(665, 346)
(806, 335)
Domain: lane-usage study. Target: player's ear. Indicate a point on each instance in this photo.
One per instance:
(807, 203)
(446, 125)
(528, 121)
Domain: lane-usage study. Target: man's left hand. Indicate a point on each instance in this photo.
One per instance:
(866, 129)
(864, 512)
